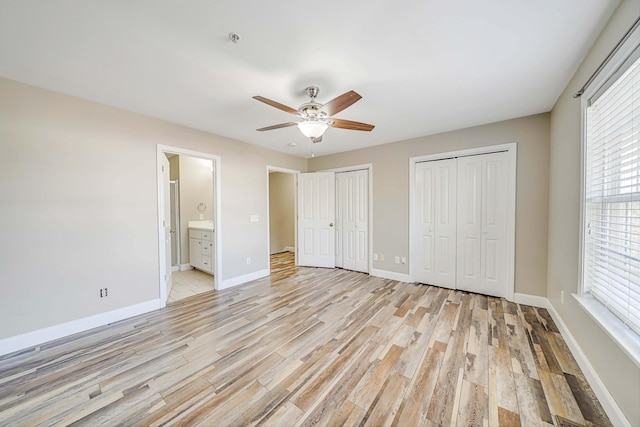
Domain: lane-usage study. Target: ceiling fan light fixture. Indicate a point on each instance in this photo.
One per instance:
(312, 128)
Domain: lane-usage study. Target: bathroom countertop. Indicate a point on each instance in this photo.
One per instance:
(201, 225)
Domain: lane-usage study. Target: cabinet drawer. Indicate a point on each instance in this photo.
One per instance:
(206, 247)
(195, 234)
(206, 263)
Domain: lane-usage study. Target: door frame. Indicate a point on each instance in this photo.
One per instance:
(369, 168)
(511, 149)
(295, 174)
(160, 152)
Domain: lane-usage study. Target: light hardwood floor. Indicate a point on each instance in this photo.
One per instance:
(306, 347)
(189, 283)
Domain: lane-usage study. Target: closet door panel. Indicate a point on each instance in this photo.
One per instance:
(423, 222)
(362, 220)
(469, 226)
(349, 221)
(494, 224)
(352, 226)
(436, 223)
(340, 191)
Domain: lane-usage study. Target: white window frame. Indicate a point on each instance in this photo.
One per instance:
(623, 336)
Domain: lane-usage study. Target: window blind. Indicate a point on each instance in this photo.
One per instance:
(611, 264)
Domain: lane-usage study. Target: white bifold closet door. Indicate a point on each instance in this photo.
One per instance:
(460, 223)
(435, 223)
(352, 222)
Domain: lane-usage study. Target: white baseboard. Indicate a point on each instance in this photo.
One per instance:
(34, 338)
(185, 267)
(175, 268)
(533, 300)
(401, 277)
(289, 249)
(616, 416)
(225, 284)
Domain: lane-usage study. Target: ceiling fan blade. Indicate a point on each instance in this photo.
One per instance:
(281, 125)
(340, 103)
(276, 104)
(318, 139)
(348, 124)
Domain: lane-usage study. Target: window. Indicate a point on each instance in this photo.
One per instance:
(611, 204)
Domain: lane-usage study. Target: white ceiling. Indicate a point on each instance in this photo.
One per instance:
(421, 66)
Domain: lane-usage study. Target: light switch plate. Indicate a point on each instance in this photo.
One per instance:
(254, 218)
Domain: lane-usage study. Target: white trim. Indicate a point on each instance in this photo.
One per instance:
(239, 280)
(175, 268)
(401, 277)
(616, 416)
(160, 151)
(511, 149)
(289, 249)
(185, 267)
(41, 336)
(533, 300)
(367, 166)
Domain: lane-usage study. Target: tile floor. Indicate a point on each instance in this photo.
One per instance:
(189, 283)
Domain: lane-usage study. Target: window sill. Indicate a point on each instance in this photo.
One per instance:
(624, 337)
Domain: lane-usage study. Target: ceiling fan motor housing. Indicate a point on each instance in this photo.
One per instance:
(311, 111)
(315, 116)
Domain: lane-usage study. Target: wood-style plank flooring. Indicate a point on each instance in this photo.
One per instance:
(305, 347)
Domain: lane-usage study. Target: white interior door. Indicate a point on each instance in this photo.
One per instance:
(316, 219)
(482, 224)
(166, 222)
(434, 228)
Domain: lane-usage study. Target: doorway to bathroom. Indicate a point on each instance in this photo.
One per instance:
(188, 220)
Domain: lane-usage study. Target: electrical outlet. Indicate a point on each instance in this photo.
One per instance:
(248, 260)
(562, 297)
(201, 216)
(375, 257)
(254, 218)
(397, 260)
(381, 257)
(404, 260)
(103, 292)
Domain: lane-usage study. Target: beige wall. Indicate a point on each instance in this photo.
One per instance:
(391, 190)
(196, 186)
(79, 205)
(281, 211)
(619, 374)
(174, 167)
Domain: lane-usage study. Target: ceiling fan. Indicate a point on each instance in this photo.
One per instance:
(316, 117)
